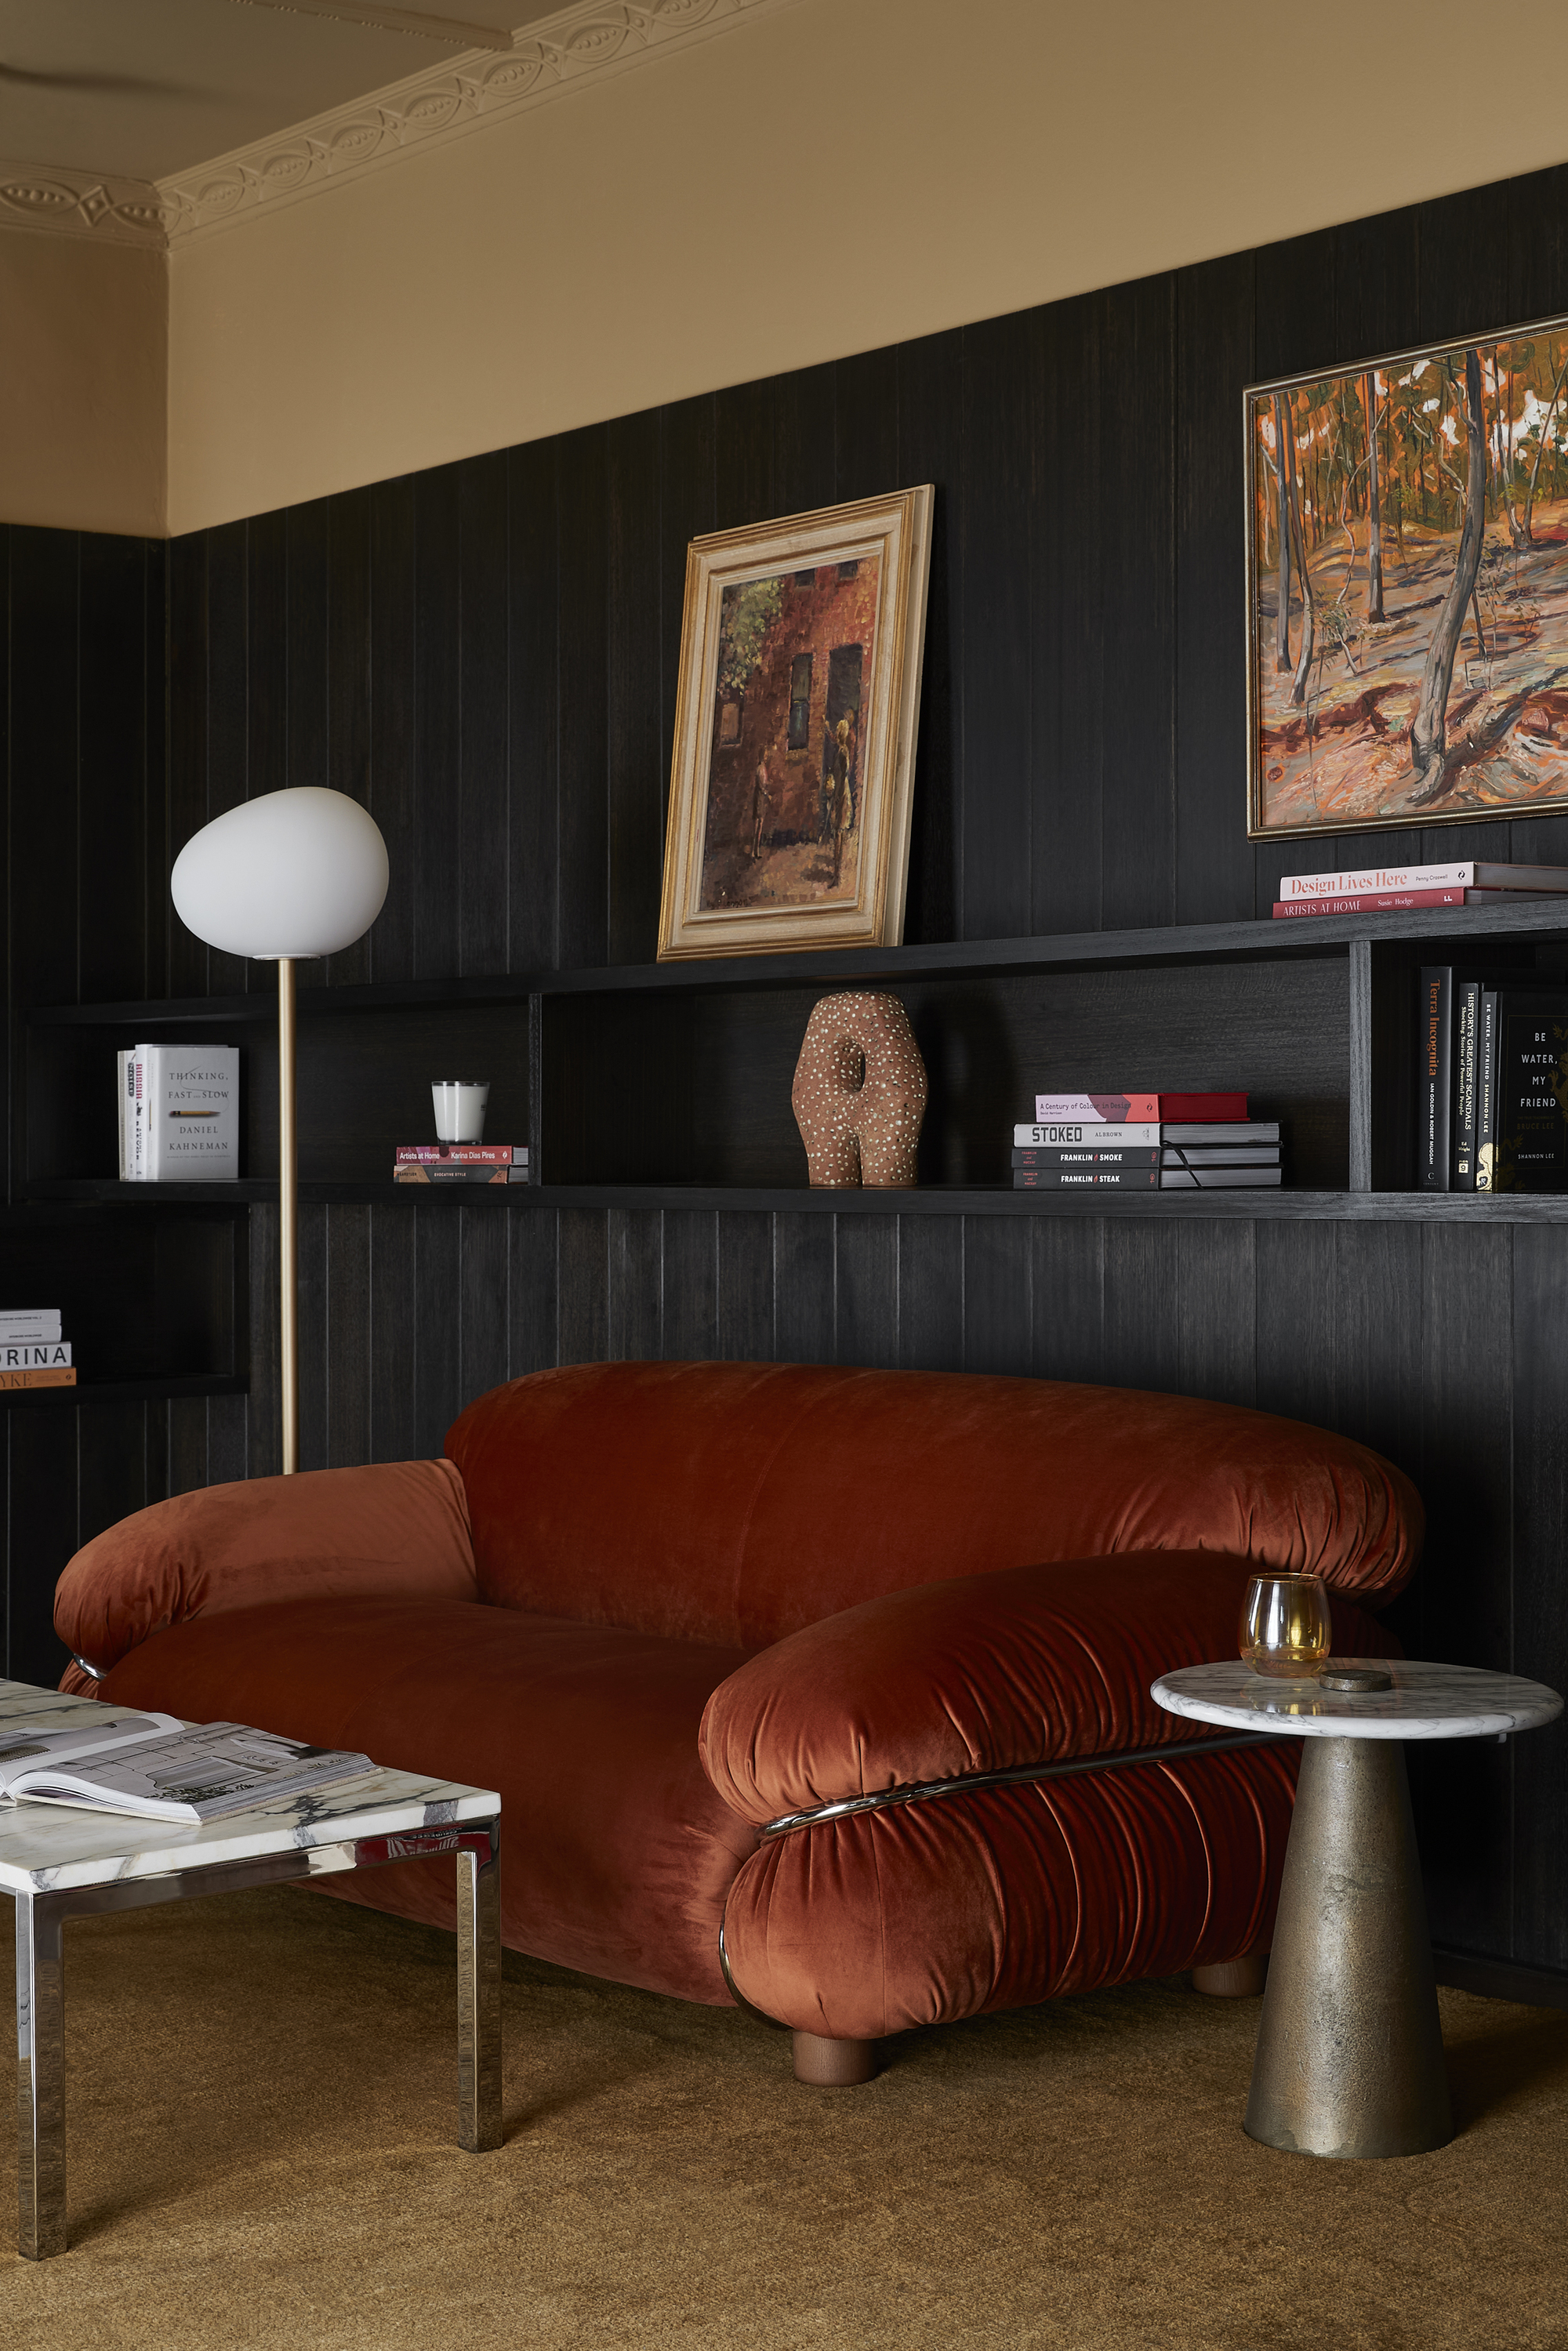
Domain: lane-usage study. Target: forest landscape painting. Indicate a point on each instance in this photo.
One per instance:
(1407, 591)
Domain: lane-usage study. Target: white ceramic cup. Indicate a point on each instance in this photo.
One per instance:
(460, 1104)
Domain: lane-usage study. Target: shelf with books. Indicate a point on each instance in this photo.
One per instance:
(151, 1302)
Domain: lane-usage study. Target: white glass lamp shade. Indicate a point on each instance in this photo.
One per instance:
(299, 873)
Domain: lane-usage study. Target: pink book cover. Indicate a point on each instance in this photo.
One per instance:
(1097, 1110)
(1368, 901)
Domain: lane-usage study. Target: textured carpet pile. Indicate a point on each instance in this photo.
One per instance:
(260, 2109)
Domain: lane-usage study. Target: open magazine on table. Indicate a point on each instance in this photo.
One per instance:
(154, 1766)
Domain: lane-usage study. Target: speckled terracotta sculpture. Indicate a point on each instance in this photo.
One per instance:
(859, 1095)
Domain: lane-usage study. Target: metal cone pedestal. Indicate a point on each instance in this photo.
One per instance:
(1350, 2050)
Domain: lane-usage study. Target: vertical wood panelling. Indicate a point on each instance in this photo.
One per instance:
(487, 655)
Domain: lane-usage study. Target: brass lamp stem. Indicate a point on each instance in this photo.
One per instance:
(287, 1219)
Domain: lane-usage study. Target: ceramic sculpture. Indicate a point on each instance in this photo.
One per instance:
(859, 1095)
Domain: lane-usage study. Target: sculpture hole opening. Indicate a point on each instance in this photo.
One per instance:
(851, 1065)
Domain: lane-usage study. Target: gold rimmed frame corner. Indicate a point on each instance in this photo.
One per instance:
(793, 761)
(1416, 683)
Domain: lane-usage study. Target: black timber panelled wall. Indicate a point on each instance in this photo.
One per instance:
(486, 653)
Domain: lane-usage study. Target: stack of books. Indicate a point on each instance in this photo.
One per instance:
(461, 1162)
(1393, 889)
(1144, 1143)
(179, 1113)
(1492, 1082)
(32, 1353)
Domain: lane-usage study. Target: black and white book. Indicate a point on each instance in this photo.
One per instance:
(1138, 1154)
(159, 1768)
(186, 1106)
(1069, 1135)
(34, 1354)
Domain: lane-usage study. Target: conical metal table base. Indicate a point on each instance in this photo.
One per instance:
(1350, 2050)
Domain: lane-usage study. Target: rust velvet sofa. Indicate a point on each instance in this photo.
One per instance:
(682, 1615)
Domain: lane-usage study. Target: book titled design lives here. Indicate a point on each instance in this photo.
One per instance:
(1492, 1081)
(1125, 1140)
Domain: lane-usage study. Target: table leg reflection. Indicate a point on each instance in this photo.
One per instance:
(479, 1992)
(40, 2078)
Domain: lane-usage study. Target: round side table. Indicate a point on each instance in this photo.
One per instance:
(1350, 2050)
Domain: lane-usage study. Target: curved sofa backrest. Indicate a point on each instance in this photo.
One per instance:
(739, 1503)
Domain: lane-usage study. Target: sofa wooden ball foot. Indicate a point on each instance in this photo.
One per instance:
(834, 2064)
(1232, 1979)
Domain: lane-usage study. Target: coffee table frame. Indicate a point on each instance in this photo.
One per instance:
(42, 1913)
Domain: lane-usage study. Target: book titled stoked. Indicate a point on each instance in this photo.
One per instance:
(1131, 1142)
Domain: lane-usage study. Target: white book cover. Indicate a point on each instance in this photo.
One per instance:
(192, 1113)
(1070, 1131)
(34, 1355)
(20, 1324)
(1377, 878)
(124, 1097)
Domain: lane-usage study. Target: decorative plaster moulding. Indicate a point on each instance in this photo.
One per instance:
(580, 44)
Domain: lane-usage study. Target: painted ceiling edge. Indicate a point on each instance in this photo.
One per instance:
(580, 45)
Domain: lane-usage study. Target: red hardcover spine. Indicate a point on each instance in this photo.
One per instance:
(455, 1155)
(1367, 902)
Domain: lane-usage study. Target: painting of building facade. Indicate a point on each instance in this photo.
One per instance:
(795, 732)
(1407, 588)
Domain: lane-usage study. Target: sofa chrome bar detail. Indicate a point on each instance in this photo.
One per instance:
(1018, 1774)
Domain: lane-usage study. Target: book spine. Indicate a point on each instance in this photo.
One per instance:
(1098, 1110)
(1368, 901)
(1466, 1007)
(1102, 1180)
(1295, 886)
(122, 1062)
(1485, 1091)
(461, 1155)
(1434, 1077)
(61, 1379)
(137, 1111)
(40, 1331)
(34, 1355)
(153, 1120)
(1139, 1154)
(1071, 1134)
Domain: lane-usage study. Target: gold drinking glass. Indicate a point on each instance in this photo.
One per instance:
(1285, 1627)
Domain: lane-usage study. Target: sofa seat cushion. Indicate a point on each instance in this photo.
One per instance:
(617, 1852)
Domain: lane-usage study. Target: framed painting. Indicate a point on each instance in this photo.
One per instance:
(1407, 588)
(795, 722)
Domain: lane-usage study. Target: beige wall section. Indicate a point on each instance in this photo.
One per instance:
(83, 386)
(660, 231)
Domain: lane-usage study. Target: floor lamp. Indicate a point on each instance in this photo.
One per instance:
(294, 874)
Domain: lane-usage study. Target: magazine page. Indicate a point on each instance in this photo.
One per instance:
(25, 1746)
(197, 1775)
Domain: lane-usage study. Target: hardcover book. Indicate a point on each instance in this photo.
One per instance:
(1468, 874)
(1104, 1179)
(34, 1355)
(60, 1379)
(32, 1324)
(1530, 1096)
(1062, 1134)
(1101, 1110)
(190, 1113)
(1140, 1154)
(1215, 1179)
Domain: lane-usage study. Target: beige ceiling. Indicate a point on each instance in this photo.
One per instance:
(140, 89)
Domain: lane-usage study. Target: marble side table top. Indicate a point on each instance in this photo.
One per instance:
(1426, 1701)
(47, 1848)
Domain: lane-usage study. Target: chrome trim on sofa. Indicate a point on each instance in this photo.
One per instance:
(922, 1790)
(77, 1659)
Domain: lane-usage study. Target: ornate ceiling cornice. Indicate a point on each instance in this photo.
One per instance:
(582, 43)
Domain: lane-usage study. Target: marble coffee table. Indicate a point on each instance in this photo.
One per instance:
(59, 1864)
(1350, 2050)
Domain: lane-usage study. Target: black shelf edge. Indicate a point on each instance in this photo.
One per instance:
(1179, 943)
(192, 1383)
(928, 1200)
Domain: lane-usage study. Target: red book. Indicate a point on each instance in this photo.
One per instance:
(1186, 1108)
(461, 1155)
(1375, 902)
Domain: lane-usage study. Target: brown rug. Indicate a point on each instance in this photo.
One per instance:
(261, 2103)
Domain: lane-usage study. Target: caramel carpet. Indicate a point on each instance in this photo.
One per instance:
(260, 2109)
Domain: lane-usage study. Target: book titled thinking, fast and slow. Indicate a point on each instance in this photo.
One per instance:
(179, 1113)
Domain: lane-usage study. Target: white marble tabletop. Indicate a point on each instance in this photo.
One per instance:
(47, 1848)
(1426, 1701)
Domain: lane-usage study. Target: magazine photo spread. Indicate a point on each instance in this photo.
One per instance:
(156, 1767)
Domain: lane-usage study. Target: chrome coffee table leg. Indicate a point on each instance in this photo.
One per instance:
(1350, 2050)
(40, 2078)
(479, 1995)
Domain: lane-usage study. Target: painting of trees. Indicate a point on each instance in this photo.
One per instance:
(1408, 588)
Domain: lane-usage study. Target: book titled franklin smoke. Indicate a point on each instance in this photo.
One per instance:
(187, 1113)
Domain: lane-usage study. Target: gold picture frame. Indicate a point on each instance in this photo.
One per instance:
(795, 723)
(1416, 683)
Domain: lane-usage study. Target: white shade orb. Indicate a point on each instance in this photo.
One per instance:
(299, 873)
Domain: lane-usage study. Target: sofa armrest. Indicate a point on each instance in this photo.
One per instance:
(984, 1673)
(396, 1527)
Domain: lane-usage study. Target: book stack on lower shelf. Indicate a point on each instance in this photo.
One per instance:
(33, 1355)
(1144, 1143)
(1492, 1083)
(461, 1162)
